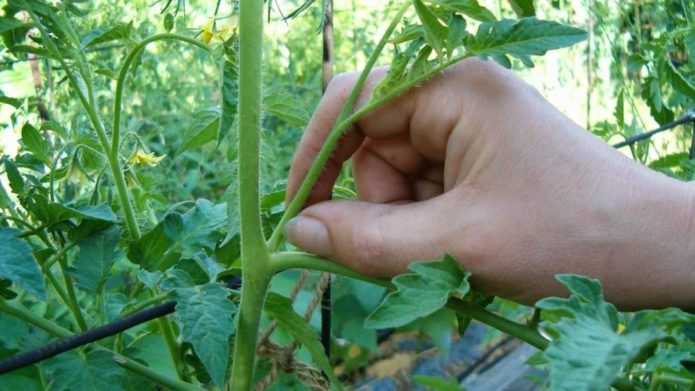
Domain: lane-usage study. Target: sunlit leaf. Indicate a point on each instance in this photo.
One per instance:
(523, 7)
(203, 129)
(435, 32)
(287, 108)
(107, 34)
(36, 143)
(467, 7)
(420, 293)
(588, 350)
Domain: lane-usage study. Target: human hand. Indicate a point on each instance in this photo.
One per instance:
(477, 164)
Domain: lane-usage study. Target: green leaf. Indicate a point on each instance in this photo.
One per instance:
(204, 315)
(435, 32)
(280, 308)
(679, 82)
(409, 33)
(669, 161)
(619, 112)
(16, 181)
(14, 102)
(420, 293)
(7, 24)
(179, 235)
(287, 108)
(204, 128)
(467, 7)
(5, 200)
(588, 351)
(651, 93)
(52, 212)
(523, 8)
(107, 34)
(36, 143)
(98, 253)
(399, 68)
(194, 229)
(77, 371)
(521, 39)
(25, 379)
(689, 42)
(17, 263)
(457, 33)
(229, 89)
(168, 22)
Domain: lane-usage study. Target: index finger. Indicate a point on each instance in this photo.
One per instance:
(387, 121)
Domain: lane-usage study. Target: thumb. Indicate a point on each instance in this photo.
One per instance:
(380, 240)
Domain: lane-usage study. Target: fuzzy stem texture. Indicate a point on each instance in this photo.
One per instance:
(254, 252)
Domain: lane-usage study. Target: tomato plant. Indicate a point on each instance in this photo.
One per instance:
(88, 239)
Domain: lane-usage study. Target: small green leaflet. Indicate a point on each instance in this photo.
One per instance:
(523, 7)
(99, 35)
(204, 128)
(587, 351)
(469, 8)
(204, 314)
(78, 371)
(286, 107)
(7, 24)
(521, 38)
(420, 293)
(280, 308)
(17, 263)
(16, 180)
(36, 143)
(679, 82)
(98, 253)
(435, 32)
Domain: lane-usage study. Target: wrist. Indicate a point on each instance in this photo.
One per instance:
(659, 245)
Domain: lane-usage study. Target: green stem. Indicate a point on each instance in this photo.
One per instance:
(118, 98)
(172, 346)
(298, 260)
(254, 252)
(125, 362)
(30, 317)
(113, 155)
(129, 310)
(146, 372)
(73, 304)
(327, 148)
(291, 260)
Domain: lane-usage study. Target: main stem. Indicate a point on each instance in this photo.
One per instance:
(255, 258)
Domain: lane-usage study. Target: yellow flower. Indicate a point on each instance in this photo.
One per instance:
(209, 33)
(75, 174)
(142, 157)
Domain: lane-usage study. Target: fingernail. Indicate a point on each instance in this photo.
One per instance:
(309, 234)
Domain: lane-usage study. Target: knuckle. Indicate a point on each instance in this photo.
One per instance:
(342, 83)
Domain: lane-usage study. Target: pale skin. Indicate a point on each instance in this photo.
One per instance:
(477, 164)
